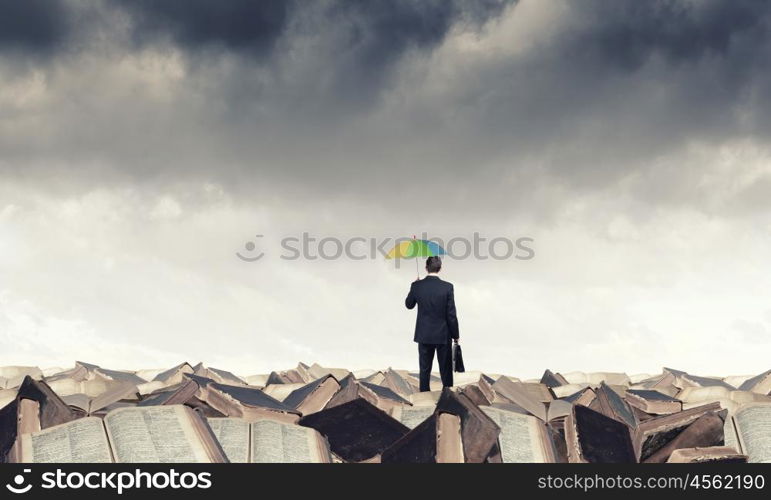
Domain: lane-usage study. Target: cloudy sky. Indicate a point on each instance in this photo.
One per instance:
(144, 143)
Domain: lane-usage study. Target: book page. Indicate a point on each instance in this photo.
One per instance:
(742, 397)
(412, 416)
(320, 397)
(233, 436)
(558, 408)
(753, 425)
(115, 392)
(538, 392)
(727, 404)
(428, 398)
(729, 434)
(519, 440)
(65, 386)
(81, 401)
(80, 441)
(610, 378)
(9, 372)
(563, 391)
(96, 386)
(281, 391)
(515, 392)
(703, 394)
(6, 396)
(275, 442)
(707, 454)
(160, 434)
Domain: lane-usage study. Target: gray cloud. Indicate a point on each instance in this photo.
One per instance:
(379, 96)
(351, 48)
(378, 31)
(627, 34)
(35, 26)
(142, 143)
(241, 25)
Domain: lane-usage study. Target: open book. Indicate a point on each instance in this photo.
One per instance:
(710, 454)
(397, 383)
(652, 401)
(478, 431)
(706, 431)
(35, 407)
(174, 375)
(593, 437)
(582, 396)
(522, 395)
(382, 397)
(752, 431)
(243, 401)
(523, 438)
(655, 433)
(269, 441)
(356, 430)
(610, 404)
(313, 396)
(316, 371)
(12, 376)
(684, 380)
(551, 379)
(221, 376)
(728, 399)
(760, 384)
(115, 392)
(159, 434)
(436, 440)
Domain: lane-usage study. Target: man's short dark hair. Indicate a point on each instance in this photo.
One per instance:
(433, 264)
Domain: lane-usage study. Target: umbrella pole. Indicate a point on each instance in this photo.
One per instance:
(417, 269)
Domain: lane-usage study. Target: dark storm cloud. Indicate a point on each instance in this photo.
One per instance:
(614, 88)
(361, 95)
(36, 27)
(359, 41)
(379, 29)
(241, 25)
(627, 33)
(632, 82)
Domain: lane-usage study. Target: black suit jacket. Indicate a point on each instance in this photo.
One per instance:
(437, 321)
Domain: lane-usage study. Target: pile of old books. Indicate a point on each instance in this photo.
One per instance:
(316, 414)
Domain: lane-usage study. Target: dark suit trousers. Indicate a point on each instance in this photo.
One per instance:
(443, 357)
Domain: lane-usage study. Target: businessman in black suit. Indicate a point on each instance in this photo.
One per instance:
(437, 323)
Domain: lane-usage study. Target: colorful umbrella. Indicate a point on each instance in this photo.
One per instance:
(414, 248)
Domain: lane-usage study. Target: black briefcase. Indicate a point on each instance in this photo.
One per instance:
(457, 358)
